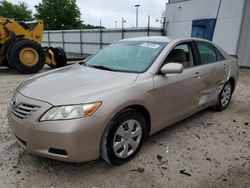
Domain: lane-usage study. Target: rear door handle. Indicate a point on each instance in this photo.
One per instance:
(197, 75)
(225, 66)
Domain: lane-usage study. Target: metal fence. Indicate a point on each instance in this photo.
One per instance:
(91, 40)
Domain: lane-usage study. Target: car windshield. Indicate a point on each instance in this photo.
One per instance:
(127, 56)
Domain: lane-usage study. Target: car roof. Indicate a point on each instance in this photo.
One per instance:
(166, 39)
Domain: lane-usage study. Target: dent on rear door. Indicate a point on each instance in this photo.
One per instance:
(219, 76)
(214, 76)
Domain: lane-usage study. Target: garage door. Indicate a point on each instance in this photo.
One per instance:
(244, 45)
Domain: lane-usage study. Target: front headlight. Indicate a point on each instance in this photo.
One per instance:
(70, 111)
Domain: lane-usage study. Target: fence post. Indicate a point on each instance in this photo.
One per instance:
(63, 40)
(48, 38)
(100, 34)
(122, 28)
(148, 30)
(81, 42)
(100, 38)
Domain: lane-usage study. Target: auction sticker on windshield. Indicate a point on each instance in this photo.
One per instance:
(150, 45)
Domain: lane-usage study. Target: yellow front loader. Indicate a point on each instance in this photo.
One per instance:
(20, 47)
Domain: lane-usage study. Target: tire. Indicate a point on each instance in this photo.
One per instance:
(119, 138)
(8, 47)
(5, 63)
(224, 97)
(60, 57)
(17, 60)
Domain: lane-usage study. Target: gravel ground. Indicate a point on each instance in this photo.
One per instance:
(212, 148)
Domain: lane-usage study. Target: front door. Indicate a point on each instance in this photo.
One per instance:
(177, 95)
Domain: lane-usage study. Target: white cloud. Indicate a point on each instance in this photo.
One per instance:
(110, 11)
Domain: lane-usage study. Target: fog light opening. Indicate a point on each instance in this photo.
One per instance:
(21, 141)
(58, 151)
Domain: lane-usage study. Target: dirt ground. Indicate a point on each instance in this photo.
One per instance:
(212, 148)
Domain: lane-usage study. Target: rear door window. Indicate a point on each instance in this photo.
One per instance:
(206, 52)
(220, 57)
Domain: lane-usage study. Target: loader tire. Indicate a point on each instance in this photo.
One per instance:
(60, 57)
(26, 57)
(8, 47)
(5, 63)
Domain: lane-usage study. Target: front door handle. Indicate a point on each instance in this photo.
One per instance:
(197, 75)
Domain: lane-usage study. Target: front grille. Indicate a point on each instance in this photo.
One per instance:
(23, 110)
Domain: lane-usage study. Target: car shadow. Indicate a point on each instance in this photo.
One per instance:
(6, 70)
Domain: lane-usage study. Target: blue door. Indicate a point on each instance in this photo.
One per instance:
(203, 28)
(199, 31)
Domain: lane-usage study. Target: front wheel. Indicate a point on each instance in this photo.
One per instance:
(224, 97)
(123, 137)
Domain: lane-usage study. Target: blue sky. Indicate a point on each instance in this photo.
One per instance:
(110, 11)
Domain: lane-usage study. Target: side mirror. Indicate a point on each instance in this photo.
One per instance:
(172, 68)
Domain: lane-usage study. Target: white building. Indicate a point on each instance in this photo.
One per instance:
(225, 22)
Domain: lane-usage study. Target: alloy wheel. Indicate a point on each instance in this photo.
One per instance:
(226, 95)
(127, 138)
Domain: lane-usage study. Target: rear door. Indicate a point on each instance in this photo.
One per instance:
(214, 68)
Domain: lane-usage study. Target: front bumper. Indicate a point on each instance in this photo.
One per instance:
(69, 140)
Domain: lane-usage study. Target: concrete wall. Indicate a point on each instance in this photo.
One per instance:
(179, 17)
(244, 43)
(174, 1)
(228, 26)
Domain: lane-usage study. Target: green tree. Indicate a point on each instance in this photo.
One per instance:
(59, 14)
(89, 26)
(17, 11)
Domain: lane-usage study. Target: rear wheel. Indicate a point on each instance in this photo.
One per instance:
(26, 56)
(123, 137)
(224, 97)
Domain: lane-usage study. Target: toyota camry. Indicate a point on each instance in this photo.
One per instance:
(106, 106)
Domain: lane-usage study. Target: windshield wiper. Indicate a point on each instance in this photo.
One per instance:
(102, 67)
(82, 63)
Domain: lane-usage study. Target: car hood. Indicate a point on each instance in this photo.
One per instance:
(73, 84)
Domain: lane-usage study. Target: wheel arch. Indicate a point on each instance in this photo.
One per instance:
(145, 113)
(232, 81)
(139, 108)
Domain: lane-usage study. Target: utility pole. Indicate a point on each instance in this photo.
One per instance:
(116, 24)
(137, 6)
